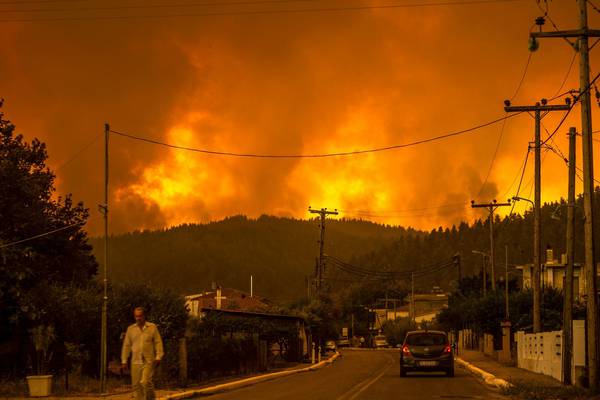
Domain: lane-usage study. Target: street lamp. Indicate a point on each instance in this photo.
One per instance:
(517, 198)
(483, 272)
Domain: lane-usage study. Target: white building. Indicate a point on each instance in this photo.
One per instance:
(553, 274)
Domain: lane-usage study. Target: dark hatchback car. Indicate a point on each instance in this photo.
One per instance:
(426, 351)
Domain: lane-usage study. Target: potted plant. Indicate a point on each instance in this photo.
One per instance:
(40, 385)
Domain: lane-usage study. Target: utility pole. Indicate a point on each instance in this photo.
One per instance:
(456, 262)
(568, 302)
(483, 271)
(412, 296)
(506, 313)
(491, 208)
(323, 213)
(104, 210)
(582, 34)
(537, 109)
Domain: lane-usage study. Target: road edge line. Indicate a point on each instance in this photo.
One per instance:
(248, 381)
(489, 379)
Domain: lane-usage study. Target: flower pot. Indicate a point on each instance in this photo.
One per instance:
(39, 385)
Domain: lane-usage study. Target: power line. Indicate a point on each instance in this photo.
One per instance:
(487, 176)
(517, 175)
(153, 6)
(587, 89)
(462, 206)
(17, 2)
(322, 155)
(78, 153)
(401, 213)
(521, 179)
(352, 269)
(44, 234)
(262, 12)
(523, 76)
(566, 76)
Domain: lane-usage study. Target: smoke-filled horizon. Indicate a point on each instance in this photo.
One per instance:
(290, 83)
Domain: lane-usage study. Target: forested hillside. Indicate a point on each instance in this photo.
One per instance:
(278, 252)
(513, 233)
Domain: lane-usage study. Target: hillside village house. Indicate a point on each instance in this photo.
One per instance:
(229, 303)
(225, 299)
(553, 274)
(426, 308)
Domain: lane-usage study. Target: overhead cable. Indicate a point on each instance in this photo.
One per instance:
(259, 12)
(322, 155)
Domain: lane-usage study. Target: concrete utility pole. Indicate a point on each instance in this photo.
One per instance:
(582, 34)
(104, 210)
(537, 207)
(323, 213)
(568, 302)
(491, 208)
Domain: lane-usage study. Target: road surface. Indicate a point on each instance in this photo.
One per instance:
(362, 375)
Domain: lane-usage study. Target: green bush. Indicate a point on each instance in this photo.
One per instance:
(162, 306)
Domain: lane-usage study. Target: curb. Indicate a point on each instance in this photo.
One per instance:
(371, 349)
(248, 381)
(488, 378)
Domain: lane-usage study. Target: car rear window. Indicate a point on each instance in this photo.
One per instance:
(426, 339)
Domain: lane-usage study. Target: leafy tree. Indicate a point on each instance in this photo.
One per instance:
(29, 208)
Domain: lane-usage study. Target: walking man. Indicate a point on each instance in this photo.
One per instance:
(144, 343)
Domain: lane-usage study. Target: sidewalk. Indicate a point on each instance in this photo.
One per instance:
(219, 384)
(512, 375)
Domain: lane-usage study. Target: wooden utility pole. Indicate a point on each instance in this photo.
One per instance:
(568, 302)
(537, 209)
(323, 213)
(456, 262)
(412, 297)
(491, 208)
(582, 34)
(506, 312)
(104, 210)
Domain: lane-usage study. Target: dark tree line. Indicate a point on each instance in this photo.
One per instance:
(279, 252)
(418, 251)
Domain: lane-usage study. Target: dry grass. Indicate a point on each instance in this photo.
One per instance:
(530, 391)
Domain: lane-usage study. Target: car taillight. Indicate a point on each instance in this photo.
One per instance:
(405, 350)
(447, 349)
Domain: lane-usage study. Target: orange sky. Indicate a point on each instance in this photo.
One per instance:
(292, 83)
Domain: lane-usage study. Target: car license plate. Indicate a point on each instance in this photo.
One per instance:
(428, 363)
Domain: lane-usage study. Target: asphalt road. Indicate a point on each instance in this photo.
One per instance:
(362, 375)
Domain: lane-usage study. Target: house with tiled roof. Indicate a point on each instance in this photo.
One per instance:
(227, 299)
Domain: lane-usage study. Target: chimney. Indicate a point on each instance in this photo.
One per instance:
(218, 298)
(213, 285)
(563, 258)
(549, 256)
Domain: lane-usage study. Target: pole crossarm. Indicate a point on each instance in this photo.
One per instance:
(566, 34)
(490, 205)
(538, 107)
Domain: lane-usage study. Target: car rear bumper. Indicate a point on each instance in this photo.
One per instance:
(427, 364)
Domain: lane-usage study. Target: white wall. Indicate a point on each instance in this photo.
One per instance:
(542, 352)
